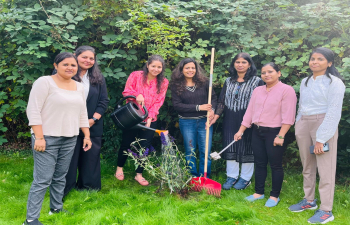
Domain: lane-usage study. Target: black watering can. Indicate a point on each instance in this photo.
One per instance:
(130, 116)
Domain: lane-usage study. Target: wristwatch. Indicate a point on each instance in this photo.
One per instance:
(280, 137)
(95, 120)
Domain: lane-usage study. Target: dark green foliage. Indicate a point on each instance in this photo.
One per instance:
(125, 33)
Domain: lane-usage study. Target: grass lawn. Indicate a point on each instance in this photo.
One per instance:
(126, 202)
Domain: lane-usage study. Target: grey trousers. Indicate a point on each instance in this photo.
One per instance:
(50, 169)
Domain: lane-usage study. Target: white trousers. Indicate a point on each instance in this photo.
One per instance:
(232, 169)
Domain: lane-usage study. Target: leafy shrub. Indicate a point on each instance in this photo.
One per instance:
(169, 167)
(125, 32)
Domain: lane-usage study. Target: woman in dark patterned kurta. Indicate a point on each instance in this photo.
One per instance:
(233, 102)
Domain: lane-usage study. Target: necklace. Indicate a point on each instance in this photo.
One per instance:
(192, 88)
(237, 87)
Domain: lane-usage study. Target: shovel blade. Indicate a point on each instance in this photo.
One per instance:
(215, 156)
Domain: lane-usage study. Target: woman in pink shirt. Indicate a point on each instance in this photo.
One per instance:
(271, 111)
(149, 86)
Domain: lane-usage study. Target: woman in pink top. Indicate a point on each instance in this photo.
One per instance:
(149, 86)
(271, 111)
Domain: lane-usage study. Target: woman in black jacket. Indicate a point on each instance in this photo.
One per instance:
(88, 163)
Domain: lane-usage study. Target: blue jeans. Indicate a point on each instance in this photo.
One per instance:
(193, 132)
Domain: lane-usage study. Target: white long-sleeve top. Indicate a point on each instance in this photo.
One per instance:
(86, 83)
(60, 112)
(322, 95)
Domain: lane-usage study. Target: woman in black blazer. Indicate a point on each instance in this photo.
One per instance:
(88, 163)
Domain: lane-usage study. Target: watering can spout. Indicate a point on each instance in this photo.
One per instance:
(142, 126)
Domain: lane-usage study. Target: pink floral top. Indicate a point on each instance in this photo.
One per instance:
(153, 101)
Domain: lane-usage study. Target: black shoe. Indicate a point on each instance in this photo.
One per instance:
(55, 211)
(34, 222)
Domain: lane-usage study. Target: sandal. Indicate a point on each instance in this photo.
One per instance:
(142, 181)
(119, 176)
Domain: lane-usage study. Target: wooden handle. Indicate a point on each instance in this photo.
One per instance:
(212, 61)
(209, 102)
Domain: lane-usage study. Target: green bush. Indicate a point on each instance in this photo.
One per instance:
(125, 33)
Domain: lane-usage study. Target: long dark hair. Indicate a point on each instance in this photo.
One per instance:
(251, 72)
(329, 55)
(66, 55)
(160, 77)
(178, 80)
(94, 73)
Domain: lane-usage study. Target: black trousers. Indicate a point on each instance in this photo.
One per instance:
(88, 165)
(264, 152)
(130, 136)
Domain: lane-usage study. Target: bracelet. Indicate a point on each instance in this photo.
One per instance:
(280, 137)
(87, 138)
(39, 138)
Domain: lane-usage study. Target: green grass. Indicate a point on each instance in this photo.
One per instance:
(126, 202)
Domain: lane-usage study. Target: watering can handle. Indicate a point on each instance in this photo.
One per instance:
(131, 96)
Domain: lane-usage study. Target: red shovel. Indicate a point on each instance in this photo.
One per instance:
(199, 183)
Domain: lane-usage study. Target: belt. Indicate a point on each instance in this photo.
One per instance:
(266, 128)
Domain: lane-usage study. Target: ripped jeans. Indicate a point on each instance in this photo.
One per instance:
(193, 132)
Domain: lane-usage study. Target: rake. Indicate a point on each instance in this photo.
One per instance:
(199, 183)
